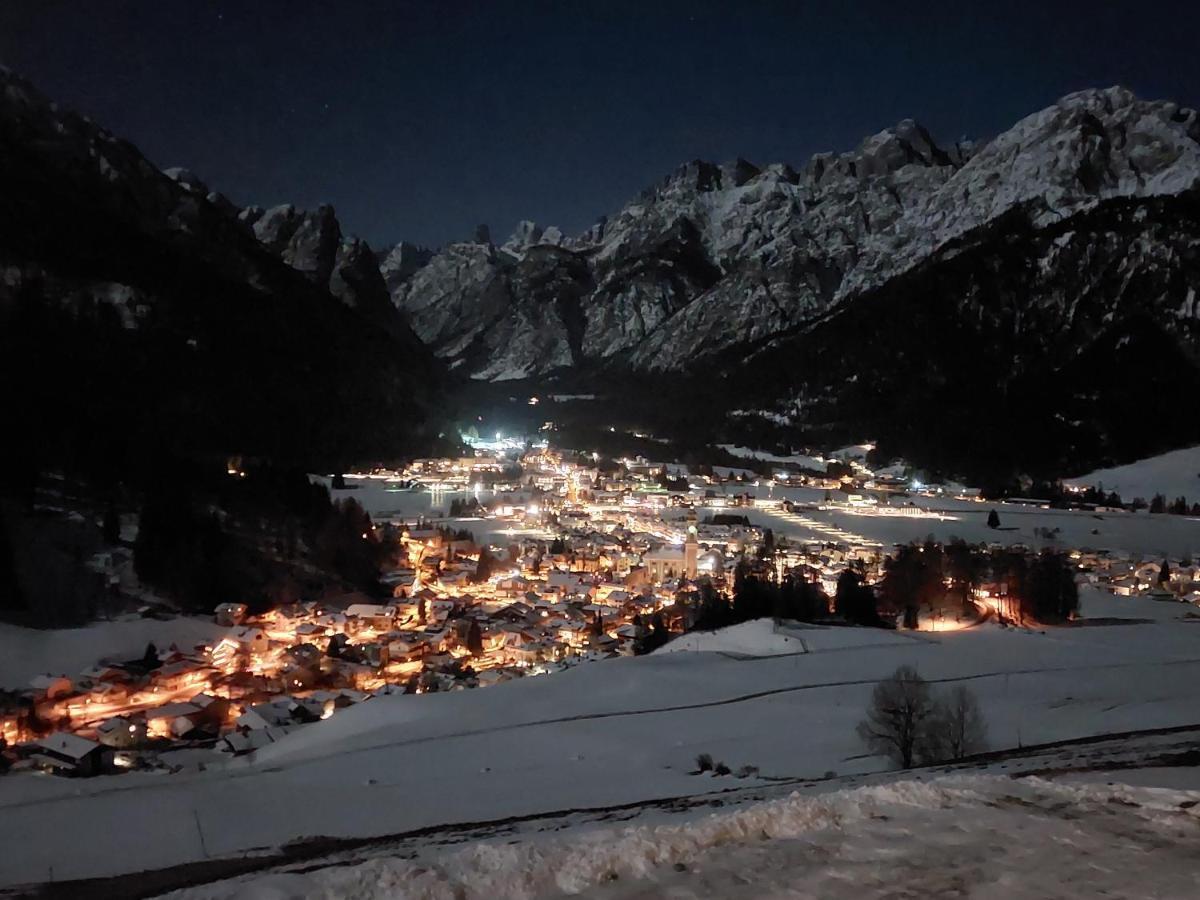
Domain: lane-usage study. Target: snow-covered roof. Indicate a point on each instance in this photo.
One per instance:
(71, 746)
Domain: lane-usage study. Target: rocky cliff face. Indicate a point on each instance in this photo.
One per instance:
(721, 257)
(1027, 347)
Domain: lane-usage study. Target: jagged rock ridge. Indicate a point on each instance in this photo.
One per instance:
(717, 257)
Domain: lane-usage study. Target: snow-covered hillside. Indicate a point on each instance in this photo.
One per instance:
(978, 836)
(1175, 474)
(600, 735)
(26, 652)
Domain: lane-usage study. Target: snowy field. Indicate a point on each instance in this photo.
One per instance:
(387, 500)
(616, 732)
(816, 463)
(762, 637)
(978, 836)
(26, 652)
(1174, 474)
(1135, 533)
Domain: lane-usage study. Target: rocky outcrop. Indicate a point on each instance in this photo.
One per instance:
(306, 241)
(717, 257)
(401, 262)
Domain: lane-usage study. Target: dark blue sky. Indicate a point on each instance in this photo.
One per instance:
(421, 120)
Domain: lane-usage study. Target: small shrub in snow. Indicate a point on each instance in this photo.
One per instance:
(747, 772)
(721, 769)
(704, 763)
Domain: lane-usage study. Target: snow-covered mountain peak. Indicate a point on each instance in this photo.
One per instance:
(718, 255)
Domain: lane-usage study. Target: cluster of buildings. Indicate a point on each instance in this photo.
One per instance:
(578, 577)
(1128, 575)
(578, 564)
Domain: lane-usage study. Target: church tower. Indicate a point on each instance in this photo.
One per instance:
(691, 549)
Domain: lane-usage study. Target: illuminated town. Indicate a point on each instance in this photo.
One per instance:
(584, 563)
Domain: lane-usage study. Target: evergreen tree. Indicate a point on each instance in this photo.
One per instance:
(993, 519)
(800, 600)
(485, 567)
(1158, 504)
(965, 565)
(150, 659)
(855, 600)
(658, 630)
(1050, 594)
(913, 581)
(713, 609)
(1164, 574)
(474, 638)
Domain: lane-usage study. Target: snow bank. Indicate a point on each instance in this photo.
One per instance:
(909, 838)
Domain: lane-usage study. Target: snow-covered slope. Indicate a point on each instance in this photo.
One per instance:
(762, 637)
(980, 835)
(27, 652)
(719, 256)
(599, 735)
(1174, 474)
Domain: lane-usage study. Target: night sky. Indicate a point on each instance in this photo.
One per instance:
(421, 120)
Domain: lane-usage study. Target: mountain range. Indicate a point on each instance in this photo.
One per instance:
(1026, 303)
(1017, 304)
(718, 256)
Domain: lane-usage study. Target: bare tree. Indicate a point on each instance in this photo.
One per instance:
(899, 716)
(957, 726)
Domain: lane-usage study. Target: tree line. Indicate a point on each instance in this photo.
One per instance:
(920, 582)
(933, 580)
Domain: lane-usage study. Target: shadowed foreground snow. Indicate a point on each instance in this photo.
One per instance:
(982, 836)
(625, 731)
